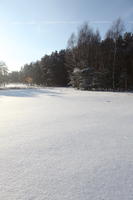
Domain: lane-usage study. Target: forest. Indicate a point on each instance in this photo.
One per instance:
(88, 63)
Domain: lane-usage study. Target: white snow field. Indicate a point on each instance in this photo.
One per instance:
(64, 144)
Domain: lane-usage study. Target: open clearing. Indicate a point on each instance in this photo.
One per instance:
(63, 144)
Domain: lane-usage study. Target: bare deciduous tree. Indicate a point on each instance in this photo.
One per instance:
(114, 32)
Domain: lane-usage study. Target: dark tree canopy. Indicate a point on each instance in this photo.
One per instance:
(88, 62)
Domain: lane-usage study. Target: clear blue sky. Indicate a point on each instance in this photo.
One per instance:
(31, 28)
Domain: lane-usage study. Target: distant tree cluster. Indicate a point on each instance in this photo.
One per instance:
(51, 70)
(3, 73)
(89, 62)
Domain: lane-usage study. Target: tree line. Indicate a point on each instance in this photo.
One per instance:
(3, 73)
(88, 62)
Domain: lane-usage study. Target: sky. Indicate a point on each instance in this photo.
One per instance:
(29, 29)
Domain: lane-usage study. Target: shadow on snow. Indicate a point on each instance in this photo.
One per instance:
(29, 92)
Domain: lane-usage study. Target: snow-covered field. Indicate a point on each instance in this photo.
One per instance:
(13, 85)
(16, 85)
(63, 144)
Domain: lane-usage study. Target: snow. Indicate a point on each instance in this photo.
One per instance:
(13, 85)
(64, 144)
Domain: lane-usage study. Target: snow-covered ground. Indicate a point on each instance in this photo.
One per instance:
(16, 85)
(13, 85)
(63, 144)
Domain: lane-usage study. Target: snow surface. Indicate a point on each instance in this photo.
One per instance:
(63, 144)
(13, 85)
